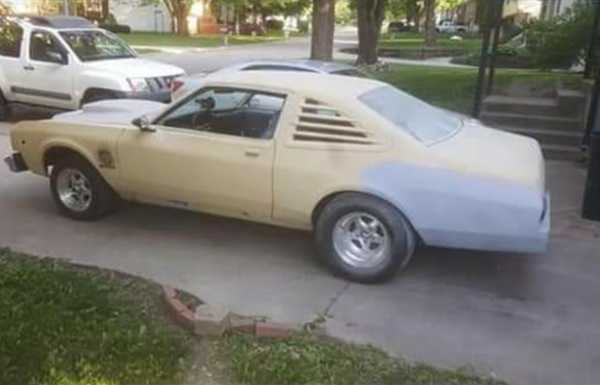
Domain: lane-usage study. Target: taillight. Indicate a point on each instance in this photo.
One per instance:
(176, 84)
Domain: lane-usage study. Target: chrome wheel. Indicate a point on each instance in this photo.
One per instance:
(361, 240)
(74, 189)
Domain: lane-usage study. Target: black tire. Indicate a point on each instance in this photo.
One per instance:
(98, 95)
(402, 236)
(103, 198)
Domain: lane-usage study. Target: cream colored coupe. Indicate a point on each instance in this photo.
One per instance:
(371, 170)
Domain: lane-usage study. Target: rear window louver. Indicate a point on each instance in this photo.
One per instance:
(320, 123)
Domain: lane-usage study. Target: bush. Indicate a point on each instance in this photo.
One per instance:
(561, 41)
(274, 25)
(507, 57)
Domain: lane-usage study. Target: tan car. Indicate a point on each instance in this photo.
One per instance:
(370, 169)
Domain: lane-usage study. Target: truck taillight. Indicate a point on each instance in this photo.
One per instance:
(176, 84)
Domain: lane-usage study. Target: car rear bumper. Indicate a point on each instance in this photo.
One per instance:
(16, 163)
(527, 239)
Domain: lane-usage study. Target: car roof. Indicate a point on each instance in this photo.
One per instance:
(56, 22)
(306, 83)
(312, 65)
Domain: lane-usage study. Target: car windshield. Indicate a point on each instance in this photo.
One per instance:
(91, 45)
(423, 121)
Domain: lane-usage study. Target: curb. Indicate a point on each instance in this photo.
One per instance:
(216, 320)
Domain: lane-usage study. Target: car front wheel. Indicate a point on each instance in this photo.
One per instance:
(364, 238)
(79, 190)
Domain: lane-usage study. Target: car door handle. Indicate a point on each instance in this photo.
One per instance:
(252, 152)
(28, 68)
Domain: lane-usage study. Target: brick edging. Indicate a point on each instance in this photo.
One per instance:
(216, 320)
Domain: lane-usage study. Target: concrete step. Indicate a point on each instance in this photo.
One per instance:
(531, 121)
(551, 137)
(523, 105)
(557, 152)
(571, 101)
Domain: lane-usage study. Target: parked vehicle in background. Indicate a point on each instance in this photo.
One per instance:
(450, 27)
(371, 170)
(183, 85)
(397, 27)
(64, 62)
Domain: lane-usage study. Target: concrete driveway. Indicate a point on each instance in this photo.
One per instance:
(531, 319)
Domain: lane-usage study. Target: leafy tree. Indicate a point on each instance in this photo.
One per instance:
(179, 11)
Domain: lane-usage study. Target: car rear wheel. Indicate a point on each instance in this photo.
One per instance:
(364, 238)
(79, 191)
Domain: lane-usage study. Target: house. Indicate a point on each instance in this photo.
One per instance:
(551, 8)
(518, 12)
(140, 15)
(515, 12)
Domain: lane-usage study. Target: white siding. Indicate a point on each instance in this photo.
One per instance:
(154, 18)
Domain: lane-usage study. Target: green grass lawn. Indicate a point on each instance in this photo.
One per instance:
(453, 88)
(307, 360)
(172, 40)
(64, 324)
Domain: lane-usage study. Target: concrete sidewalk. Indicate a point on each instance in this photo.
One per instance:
(530, 319)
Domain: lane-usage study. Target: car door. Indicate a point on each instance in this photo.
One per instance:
(47, 77)
(11, 39)
(212, 152)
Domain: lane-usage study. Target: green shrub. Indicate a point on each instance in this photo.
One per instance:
(561, 42)
(507, 57)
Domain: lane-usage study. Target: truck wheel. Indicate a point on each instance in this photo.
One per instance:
(364, 238)
(79, 190)
(98, 95)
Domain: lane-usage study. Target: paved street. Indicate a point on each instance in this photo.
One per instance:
(531, 319)
(295, 48)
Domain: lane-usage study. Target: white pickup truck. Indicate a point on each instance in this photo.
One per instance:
(64, 62)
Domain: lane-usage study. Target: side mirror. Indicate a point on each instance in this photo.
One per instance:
(143, 123)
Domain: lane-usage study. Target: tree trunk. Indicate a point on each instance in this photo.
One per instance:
(323, 26)
(430, 33)
(412, 13)
(370, 17)
(105, 10)
(182, 24)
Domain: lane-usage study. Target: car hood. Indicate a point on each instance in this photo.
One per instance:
(135, 68)
(117, 111)
(487, 152)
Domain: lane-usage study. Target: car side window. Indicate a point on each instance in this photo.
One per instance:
(11, 36)
(227, 111)
(43, 46)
